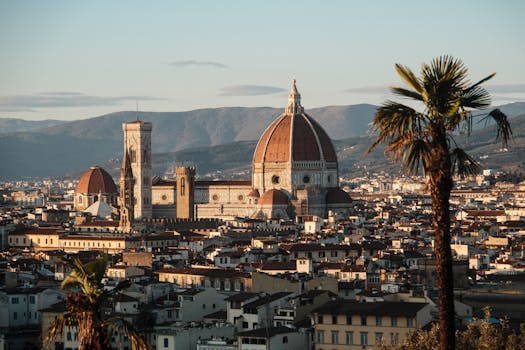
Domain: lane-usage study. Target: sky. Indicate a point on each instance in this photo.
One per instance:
(80, 59)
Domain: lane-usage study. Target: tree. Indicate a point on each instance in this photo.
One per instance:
(84, 307)
(478, 334)
(424, 139)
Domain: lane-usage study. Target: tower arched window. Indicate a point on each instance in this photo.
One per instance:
(133, 155)
(183, 187)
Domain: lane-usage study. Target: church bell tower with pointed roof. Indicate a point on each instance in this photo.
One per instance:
(137, 144)
(126, 195)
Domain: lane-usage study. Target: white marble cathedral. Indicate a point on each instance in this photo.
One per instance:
(294, 173)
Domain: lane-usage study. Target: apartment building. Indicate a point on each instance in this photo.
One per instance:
(350, 325)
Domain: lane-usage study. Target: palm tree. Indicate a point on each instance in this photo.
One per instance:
(84, 307)
(424, 139)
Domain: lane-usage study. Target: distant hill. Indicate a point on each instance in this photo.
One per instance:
(74, 146)
(8, 125)
(234, 160)
(221, 139)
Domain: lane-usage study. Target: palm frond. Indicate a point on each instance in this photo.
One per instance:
(483, 80)
(78, 274)
(475, 97)
(97, 267)
(84, 277)
(117, 325)
(406, 93)
(56, 328)
(394, 120)
(444, 81)
(416, 157)
(463, 164)
(504, 131)
(409, 77)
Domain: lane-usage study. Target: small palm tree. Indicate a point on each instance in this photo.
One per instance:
(84, 304)
(424, 139)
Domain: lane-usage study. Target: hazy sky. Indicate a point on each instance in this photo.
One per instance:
(80, 59)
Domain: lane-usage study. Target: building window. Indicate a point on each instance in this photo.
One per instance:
(306, 179)
(69, 336)
(245, 325)
(285, 339)
(320, 337)
(334, 319)
(15, 300)
(275, 179)
(393, 321)
(349, 338)
(320, 319)
(215, 197)
(335, 337)
(364, 338)
(133, 155)
(363, 320)
(183, 187)
(379, 338)
(378, 321)
(31, 299)
(166, 342)
(348, 319)
(394, 338)
(15, 315)
(410, 322)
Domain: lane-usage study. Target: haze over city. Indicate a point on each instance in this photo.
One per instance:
(273, 175)
(73, 60)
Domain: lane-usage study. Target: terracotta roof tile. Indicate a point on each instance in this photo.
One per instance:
(96, 180)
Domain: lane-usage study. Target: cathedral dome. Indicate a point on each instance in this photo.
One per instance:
(294, 136)
(274, 197)
(96, 180)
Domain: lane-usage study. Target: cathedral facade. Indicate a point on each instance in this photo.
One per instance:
(294, 173)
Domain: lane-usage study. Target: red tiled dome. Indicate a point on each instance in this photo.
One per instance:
(337, 196)
(274, 197)
(96, 180)
(294, 136)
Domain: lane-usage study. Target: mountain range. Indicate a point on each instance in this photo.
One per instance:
(216, 140)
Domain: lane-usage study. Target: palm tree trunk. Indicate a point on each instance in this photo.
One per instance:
(440, 185)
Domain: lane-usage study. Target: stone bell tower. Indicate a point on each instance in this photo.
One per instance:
(137, 144)
(185, 192)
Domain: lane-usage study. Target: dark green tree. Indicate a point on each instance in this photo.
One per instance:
(423, 139)
(84, 308)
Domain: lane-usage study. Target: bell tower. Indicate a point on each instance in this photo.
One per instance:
(185, 192)
(137, 144)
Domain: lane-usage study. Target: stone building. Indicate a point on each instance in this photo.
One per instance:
(294, 173)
